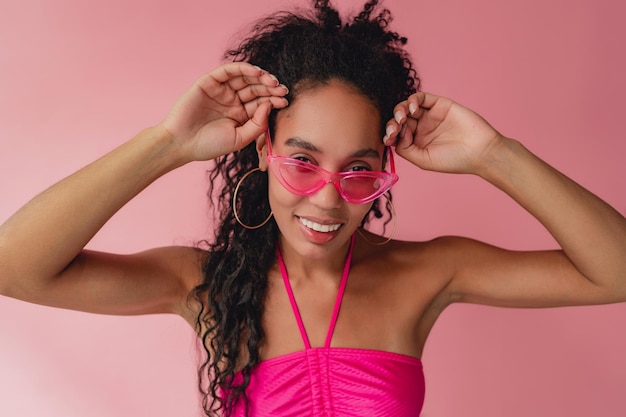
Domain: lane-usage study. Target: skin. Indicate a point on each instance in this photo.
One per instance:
(395, 292)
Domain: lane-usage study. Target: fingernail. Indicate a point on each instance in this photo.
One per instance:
(385, 139)
(390, 129)
(273, 77)
(259, 68)
(398, 116)
(412, 108)
(285, 88)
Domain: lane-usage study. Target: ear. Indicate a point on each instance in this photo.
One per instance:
(261, 149)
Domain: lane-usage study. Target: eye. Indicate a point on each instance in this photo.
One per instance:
(303, 158)
(358, 167)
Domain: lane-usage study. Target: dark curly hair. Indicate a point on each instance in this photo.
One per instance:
(304, 49)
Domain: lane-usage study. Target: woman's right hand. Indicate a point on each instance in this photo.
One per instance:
(224, 110)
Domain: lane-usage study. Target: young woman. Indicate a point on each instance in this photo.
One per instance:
(301, 310)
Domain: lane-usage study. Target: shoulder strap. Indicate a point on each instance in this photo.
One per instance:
(294, 305)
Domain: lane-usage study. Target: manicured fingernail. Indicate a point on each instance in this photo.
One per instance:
(390, 129)
(385, 139)
(412, 108)
(398, 116)
(285, 88)
(273, 77)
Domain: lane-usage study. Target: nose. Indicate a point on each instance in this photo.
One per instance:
(327, 197)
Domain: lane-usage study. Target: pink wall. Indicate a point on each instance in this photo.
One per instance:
(78, 78)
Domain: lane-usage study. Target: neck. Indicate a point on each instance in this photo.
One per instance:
(306, 268)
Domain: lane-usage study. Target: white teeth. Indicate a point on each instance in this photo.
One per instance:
(324, 228)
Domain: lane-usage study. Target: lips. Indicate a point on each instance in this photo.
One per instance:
(318, 227)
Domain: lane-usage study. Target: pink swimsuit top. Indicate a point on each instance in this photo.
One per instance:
(329, 381)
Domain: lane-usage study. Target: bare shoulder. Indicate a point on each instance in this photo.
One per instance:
(444, 270)
(408, 284)
(439, 264)
(405, 257)
(423, 269)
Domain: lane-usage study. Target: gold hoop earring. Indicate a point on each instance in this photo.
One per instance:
(393, 231)
(235, 204)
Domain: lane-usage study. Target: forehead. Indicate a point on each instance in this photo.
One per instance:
(332, 116)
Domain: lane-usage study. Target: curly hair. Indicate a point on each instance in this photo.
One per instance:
(304, 49)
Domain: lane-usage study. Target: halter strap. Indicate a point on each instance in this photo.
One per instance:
(294, 305)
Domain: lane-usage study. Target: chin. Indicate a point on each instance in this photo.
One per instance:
(317, 245)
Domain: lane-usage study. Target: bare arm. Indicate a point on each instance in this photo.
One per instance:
(44, 236)
(591, 267)
(41, 246)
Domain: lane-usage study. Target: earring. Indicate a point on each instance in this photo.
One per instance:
(235, 204)
(393, 231)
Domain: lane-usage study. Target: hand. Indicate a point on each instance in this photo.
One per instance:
(437, 134)
(224, 110)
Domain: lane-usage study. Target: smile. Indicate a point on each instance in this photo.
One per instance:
(324, 228)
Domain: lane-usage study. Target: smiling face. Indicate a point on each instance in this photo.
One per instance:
(338, 129)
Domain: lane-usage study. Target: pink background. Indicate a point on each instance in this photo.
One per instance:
(78, 78)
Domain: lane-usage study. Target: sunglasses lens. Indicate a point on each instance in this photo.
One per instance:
(301, 178)
(360, 187)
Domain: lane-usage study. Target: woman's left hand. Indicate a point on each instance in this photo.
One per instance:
(437, 134)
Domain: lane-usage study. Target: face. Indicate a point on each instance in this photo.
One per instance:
(338, 129)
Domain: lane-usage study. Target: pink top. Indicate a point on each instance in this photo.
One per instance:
(329, 381)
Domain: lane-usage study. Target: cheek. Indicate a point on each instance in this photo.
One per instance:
(359, 211)
(281, 200)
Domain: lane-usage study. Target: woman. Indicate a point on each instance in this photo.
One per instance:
(289, 235)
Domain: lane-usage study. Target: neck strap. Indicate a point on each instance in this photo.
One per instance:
(294, 305)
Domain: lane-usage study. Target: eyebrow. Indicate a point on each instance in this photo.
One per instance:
(303, 144)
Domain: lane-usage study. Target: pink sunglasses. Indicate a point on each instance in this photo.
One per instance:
(304, 178)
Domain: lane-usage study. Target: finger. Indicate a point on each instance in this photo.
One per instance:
(415, 102)
(406, 137)
(235, 76)
(415, 105)
(232, 70)
(265, 78)
(252, 92)
(419, 157)
(269, 79)
(392, 129)
(276, 102)
(254, 127)
(241, 82)
(420, 102)
(401, 112)
(427, 100)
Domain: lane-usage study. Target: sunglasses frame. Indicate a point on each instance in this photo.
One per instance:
(275, 161)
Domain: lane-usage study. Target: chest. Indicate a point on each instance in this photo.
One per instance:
(374, 313)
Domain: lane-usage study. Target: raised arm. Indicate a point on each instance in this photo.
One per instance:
(41, 246)
(437, 134)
